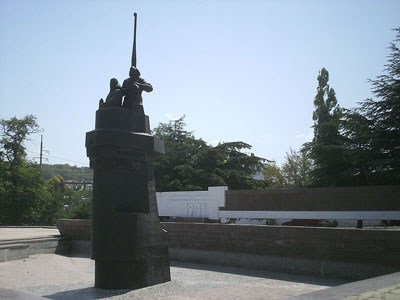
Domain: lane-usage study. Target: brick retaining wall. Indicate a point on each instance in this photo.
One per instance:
(336, 252)
(327, 252)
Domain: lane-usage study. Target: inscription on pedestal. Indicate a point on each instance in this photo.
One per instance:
(110, 163)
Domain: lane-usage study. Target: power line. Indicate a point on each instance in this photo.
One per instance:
(66, 159)
(60, 158)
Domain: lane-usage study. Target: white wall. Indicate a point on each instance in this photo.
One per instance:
(192, 204)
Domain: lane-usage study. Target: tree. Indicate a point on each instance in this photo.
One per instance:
(74, 173)
(192, 164)
(25, 197)
(51, 200)
(373, 128)
(13, 135)
(273, 176)
(20, 182)
(238, 168)
(296, 170)
(176, 170)
(327, 150)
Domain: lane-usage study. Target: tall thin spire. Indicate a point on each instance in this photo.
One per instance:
(134, 41)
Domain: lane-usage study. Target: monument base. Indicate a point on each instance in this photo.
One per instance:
(127, 239)
(131, 275)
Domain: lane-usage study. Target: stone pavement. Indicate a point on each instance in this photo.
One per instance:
(389, 293)
(61, 277)
(381, 287)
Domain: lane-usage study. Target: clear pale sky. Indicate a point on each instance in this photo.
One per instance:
(239, 70)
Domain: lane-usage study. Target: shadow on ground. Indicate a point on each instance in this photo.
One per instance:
(89, 293)
(260, 273)
(86, 294)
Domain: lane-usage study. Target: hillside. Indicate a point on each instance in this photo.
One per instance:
(70, 173)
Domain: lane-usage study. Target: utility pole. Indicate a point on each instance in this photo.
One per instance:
(41, 152)
(41, 149)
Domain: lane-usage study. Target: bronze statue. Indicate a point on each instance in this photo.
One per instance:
(131, 89)
(115, 95)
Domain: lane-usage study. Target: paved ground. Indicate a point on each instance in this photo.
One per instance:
(60, 277)
(381, 287)
(22, 233)
(388, 293)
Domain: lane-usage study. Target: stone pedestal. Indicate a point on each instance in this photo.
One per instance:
(126, 233)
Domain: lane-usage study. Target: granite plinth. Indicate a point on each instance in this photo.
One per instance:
(126, 233)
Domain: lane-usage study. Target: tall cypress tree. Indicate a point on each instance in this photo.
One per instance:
(327, 148)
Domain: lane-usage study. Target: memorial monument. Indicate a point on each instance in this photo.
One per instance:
(126, 234)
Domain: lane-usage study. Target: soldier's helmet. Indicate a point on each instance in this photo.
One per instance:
(133, 72)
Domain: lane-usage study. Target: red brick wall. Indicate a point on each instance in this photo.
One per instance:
(372, 198)
(369, 246)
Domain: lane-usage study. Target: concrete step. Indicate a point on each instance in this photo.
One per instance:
(13, 251)
(19, 249)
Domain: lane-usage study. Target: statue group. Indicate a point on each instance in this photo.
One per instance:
(130, 94)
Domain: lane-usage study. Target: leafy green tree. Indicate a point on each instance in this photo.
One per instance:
(80, 204)
(373, 128)
(327, 150)
(52, 200)
(192, 164)
(273, 176)
(20, 182)
(20, 194)
(296, 170)
(14, 132)
(25, 197)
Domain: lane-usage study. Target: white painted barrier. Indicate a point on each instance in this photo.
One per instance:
(192, 204)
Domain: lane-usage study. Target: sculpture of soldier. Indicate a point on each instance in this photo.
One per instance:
(114, 97)
(132, 88)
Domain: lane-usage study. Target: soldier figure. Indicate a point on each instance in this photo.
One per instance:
(132, 89)
(114, 97)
